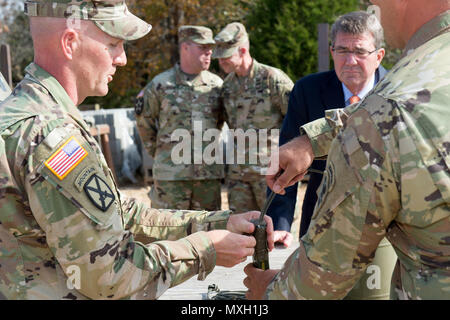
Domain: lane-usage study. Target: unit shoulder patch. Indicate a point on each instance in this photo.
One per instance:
(99, 192)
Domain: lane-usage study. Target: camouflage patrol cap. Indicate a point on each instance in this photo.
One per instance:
(197, 34)
(110, 16)
(229, 39)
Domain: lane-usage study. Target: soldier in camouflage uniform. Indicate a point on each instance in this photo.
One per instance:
(387, 174)
(5, 90)
(255, 98)
(66, 232)
(185, 97)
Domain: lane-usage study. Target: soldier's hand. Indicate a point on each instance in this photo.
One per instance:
(257, 281)
(294, 159)
(283, 237)
(240, 223)
(231, 248)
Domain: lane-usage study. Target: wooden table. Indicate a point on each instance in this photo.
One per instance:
(224, 278)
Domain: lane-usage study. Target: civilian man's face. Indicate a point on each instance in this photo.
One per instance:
(354, 70)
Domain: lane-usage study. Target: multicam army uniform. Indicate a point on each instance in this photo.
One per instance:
(177, 102)
(5, 90)
(54, 221)
(387, 175)
(255, 102)
(61, 213)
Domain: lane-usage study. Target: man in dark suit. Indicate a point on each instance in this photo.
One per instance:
(356, 40)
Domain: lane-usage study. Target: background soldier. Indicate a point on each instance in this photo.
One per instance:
(387, 173)
(61, 212)
(184, 97)
(255, 97)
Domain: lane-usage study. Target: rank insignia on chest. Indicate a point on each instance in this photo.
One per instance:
(66, 158)
(99, 192)
(139, 104)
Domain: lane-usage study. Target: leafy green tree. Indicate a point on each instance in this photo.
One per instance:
(283, 33)
(14, 30)
(146, 57)
(158, 51)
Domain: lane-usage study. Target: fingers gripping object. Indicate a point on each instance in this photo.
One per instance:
(261, 254)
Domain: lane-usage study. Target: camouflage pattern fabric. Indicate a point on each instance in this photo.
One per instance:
(387, 175)
(257, 101)
(187, 195)
(58, 221)
(5, 90)
(111, 16)
(171, 101)
(229, 39)
(197, 34)
(246, 196)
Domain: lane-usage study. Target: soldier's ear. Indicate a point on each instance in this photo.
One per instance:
(183, 45)
(70, 43)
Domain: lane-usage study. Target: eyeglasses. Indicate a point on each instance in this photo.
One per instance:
(359, 52)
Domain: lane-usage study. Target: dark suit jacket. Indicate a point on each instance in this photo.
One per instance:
(309, 99)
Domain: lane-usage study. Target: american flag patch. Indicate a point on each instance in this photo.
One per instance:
(66, 158)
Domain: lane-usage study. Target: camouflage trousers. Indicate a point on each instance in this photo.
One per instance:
(246, 196)
(186, 195)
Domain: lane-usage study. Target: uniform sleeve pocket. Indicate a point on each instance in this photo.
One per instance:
(342, 196)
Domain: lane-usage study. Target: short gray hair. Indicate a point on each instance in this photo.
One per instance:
(358, 22)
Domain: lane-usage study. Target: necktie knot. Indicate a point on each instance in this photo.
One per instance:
(354, 99)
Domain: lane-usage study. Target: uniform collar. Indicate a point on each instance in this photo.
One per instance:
(254, 69)
(428, 31)
(42, 77)
(183, 78)
(243, 81)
